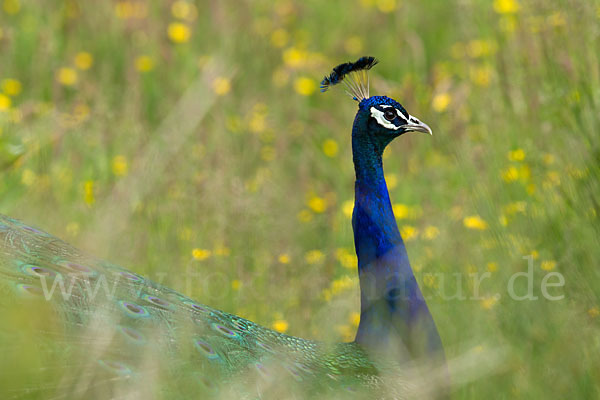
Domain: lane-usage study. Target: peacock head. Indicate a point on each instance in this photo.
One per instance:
(386, 117)
(379, 118)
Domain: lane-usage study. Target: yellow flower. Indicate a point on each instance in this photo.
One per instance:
(506, 6)
(478, 48)
(346, 258)
(386, 154)
(123, 9)
(221, 86)
(279, 38)
(222, 251)
(475, 222)
(184, 10)
(386, 6)
(516, 155)
(234, 123)
(515, 207)
(5, 102)
(574, 97)
(281, 325)
(431, 232)
(349, 261)
(481, 76)
(260, 108)
(346, 332)
(294, 57)
(72, 228)
(401, 211)
(305, 86)
(330, 148)
(317, 204)
(510, 174)
(305, 216)
(354, 45)
(131, 9)
(548, 159)
(284, 258)
(201, 254)
(548, 265)
(83, 60)
(258, 122)
(535, 254)
(11, 87)
(119, 165)
(236, 284)
(392, 180)
(67, 76)
(441, 102)
(144, 63)
(267, 153)
(594, 312)
(347, 208)
(11, 7)
(492, 266)
(314, 256)
(354, 318)
(556, 19)
(88, 193)
(430, 281)
(508, 23)
(553, 178)
(489, 302)
(408, 232)
(28, 178)
(341, 284)
(179, 32)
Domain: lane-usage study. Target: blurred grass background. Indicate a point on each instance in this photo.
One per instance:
(250, 212)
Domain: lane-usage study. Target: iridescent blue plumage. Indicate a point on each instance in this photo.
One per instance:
(393, 311)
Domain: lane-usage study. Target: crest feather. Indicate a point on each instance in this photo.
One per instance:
(353, 75)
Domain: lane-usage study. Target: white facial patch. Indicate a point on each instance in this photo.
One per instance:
(378, 115)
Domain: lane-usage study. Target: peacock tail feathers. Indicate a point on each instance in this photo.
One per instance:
(85, 328)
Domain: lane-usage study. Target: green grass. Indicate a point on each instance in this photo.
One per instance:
(513, 97)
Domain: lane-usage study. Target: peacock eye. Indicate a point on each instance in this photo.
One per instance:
(389, 115)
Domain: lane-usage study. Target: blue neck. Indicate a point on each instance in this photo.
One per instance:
(394, 316)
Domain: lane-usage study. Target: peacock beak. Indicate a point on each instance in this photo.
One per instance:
(415, 125)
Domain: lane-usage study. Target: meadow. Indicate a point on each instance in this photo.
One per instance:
(189, 142)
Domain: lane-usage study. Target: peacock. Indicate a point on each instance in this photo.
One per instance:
(99, 331)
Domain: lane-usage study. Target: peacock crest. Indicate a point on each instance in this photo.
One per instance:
(353, 75)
